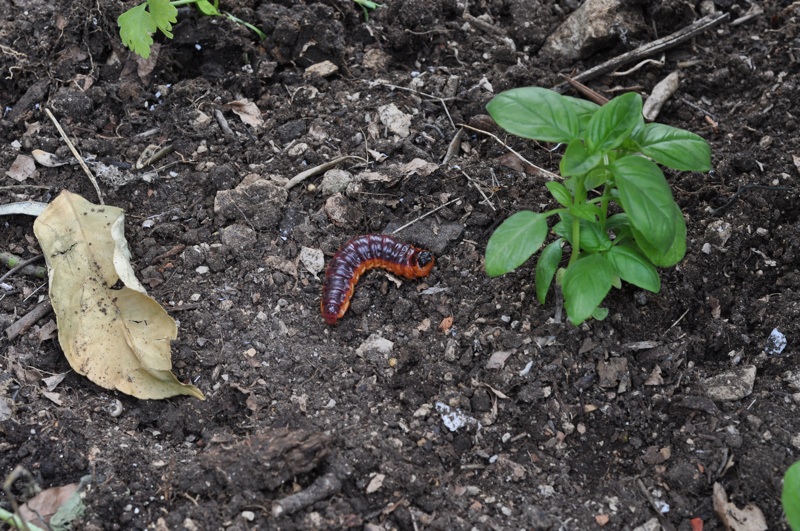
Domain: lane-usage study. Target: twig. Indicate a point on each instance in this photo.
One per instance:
(302, 176)
(454, 146)
(9, 259)
(652, 48)
(324, 487)
(639, 65)
(700, 109)
(747, 188)
(667, 526)
(544, 172)
(478, 188)
(28, 320)
(586, 91)
(484, 26)
(678, 320)
(21, 186)
(223, 123)
(423, 216)
(155, 157)
(77, 155)
(27, 208)
(398, 87)
(441, 100)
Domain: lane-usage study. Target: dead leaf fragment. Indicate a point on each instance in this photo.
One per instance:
(323, 69)
(42, 509)
(421, 167)
(375, 483)
(247, 111)
(53, 397)
(116, 336)
(312, 259)
(395, 120)
(47, 159)
(655, 377)
(663, 91)
(47, 331)
(22, 168)
(51, 382)
(734, 519)
(498, 359)
(281, 264)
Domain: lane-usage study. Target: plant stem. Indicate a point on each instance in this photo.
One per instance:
(604, 200)
(579, 197)
(576, 240)
(182, 2)
(16, 522)
(247, 25)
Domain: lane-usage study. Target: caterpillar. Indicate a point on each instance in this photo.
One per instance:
(361, 254)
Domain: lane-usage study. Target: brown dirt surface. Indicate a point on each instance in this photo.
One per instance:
(614, 423)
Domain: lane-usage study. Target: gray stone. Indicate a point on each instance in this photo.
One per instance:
(255, 201)
(597, 24)
(734, 384)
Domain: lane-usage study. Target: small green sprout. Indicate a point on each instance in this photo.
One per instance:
(366, 5)
(610, 159)
(138, 24)
(791, 496)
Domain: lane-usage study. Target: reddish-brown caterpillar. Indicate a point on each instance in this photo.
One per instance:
(360, 255)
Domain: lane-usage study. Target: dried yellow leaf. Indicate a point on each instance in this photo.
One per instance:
(110, 330)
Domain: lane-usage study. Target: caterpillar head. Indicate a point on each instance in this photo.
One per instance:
(424, 263)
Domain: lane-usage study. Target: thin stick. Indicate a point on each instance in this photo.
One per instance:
(155, 157)
(28, 320)
(223, 123)
(20, 186)
(586, 91)
(678, 320)
(700, 109)
(33, 271)
(473, 183)
(441, 100)
(77, 155)
(398, 87)
(639, 65)
(302, 176)
(453, 147)
(652, 48)
(485, 26)
(423, 216)
(546, 173)
(323, 487)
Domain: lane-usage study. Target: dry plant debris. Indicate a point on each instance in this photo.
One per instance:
(108, 327)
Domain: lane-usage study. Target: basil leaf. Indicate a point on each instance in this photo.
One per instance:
(586, 283)
(612, 124)
(534, 112)
(647, 199)
(634, 268)
(673, 147)
(514, 241)
(546, 268)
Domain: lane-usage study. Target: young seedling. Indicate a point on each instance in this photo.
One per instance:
(790, 497)
(367, 5)
(616, 209)
(138, 24)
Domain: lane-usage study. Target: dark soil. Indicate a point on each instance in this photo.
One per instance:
(613, 423)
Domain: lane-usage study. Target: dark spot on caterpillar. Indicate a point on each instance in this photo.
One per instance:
(361, 254)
